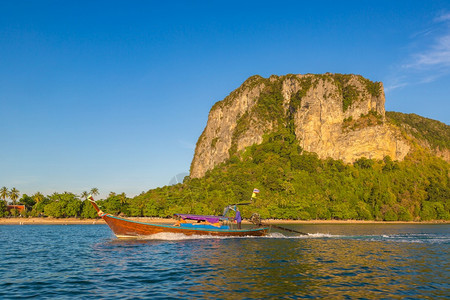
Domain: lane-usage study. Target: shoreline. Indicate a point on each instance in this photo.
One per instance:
(75, 221)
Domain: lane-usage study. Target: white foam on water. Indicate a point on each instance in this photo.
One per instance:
(167, 236)
(395, 238)
(277, 235)
(323, 235)
(401, 238)
(170, 236)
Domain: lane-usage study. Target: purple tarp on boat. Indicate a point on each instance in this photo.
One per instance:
(210, 219)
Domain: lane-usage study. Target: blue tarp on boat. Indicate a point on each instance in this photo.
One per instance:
(202, 226)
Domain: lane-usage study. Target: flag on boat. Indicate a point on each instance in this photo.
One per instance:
(255, 191)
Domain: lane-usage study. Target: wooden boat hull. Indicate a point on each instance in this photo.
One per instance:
(123, 228)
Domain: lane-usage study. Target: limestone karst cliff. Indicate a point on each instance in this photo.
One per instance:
(333, 115)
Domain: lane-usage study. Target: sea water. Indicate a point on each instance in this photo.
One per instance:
(332, 261)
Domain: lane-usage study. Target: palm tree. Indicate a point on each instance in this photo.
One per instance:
(123, 199)
(55, 196)
(13, 195)
(4, 193)
(141, 205)
(84, 195)
(38, 197)
(94, 191)
(111, 194)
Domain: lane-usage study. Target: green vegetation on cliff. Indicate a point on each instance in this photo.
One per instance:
(370, 119)
(436, 133)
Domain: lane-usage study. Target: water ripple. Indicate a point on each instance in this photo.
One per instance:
(86, 261)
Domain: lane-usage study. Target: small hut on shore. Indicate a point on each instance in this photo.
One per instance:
(19, 208)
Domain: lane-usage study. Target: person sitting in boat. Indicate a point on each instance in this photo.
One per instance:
(238, 218)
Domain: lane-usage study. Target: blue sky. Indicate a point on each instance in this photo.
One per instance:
(114, 94)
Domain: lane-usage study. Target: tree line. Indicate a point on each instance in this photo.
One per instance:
(56, 205)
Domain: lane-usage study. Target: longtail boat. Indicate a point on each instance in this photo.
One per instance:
(203, 225)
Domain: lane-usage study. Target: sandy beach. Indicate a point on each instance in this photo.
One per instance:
(74, 221)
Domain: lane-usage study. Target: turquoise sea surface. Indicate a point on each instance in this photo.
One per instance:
(333, 261)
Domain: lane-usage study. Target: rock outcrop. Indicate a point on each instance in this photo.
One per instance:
(333, 115)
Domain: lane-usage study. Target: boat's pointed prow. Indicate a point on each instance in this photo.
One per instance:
(91, 199)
